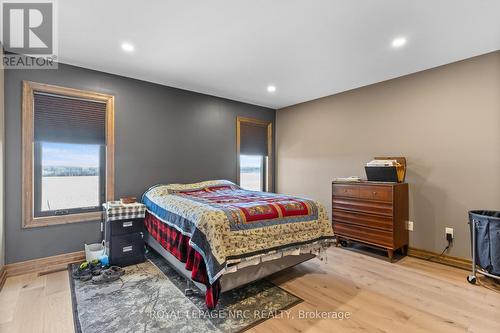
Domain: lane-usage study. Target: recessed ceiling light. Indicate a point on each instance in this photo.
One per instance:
(127, 47)
(271, 88)
(398, 42)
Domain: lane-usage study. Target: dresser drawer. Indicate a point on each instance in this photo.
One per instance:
(350, 191)
(127, 249)
(379, 193)
(370, 207)
(122, 227)
(371, 221)
(367, 235)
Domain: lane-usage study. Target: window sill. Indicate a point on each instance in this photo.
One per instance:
(35, 222)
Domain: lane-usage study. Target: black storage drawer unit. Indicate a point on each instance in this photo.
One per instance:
(122, 227)
(126, 249)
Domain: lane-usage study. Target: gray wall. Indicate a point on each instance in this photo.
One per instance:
(2, 161)
(446, 122)
(162, 134)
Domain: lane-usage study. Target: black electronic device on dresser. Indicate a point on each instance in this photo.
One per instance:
(123, 233)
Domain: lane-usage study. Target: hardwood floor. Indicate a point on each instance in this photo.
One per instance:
(410, 295)
(32, 303)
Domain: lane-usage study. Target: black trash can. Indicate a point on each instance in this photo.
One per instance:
(487, 239)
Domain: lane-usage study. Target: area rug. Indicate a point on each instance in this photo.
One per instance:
(150, 298)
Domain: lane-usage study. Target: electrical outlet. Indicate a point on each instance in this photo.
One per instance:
(448, 230)
(409, 225)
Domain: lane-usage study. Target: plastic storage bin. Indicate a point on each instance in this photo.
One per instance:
(94, 251)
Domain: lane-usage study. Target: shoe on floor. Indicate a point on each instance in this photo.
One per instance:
(95, 267)
(108, 275)
(117, 270)
(82, 272)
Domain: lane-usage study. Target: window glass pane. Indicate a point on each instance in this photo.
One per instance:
(70, 176)
(251, 172)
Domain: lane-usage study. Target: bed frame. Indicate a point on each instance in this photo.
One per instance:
(232, 280)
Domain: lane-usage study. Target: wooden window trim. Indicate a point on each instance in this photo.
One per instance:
(29, 88)
(262, 123)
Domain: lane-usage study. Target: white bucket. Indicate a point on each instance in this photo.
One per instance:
(94, 251)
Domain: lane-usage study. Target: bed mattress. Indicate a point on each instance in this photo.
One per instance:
(226, 224)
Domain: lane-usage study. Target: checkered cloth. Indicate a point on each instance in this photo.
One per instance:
(116, 211)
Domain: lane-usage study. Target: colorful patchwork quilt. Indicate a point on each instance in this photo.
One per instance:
(226, 223)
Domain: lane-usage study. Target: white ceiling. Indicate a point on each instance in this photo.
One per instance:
(307, 48)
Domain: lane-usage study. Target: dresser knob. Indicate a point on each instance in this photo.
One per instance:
(374, 193)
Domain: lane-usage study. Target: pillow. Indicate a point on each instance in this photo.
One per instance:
(175, 188)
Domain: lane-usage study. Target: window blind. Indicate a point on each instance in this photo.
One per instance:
(68, 120)
(253, 139)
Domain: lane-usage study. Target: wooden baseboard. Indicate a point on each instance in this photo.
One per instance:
(444, 259)
(44, 265)
(3, 276)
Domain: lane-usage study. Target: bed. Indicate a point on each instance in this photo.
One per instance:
(222, 237)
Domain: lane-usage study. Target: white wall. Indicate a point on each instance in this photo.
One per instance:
(446, 121)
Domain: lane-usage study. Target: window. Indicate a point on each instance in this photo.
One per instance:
(68, 149)
(254, 147)
(252, 172)
(69, 178)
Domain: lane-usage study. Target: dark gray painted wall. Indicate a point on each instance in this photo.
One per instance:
(162, 135)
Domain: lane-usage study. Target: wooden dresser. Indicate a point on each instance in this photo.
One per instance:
(373, 213)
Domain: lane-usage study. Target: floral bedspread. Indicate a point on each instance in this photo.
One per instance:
(226, 223)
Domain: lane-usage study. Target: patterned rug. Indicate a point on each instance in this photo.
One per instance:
(150, 298)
